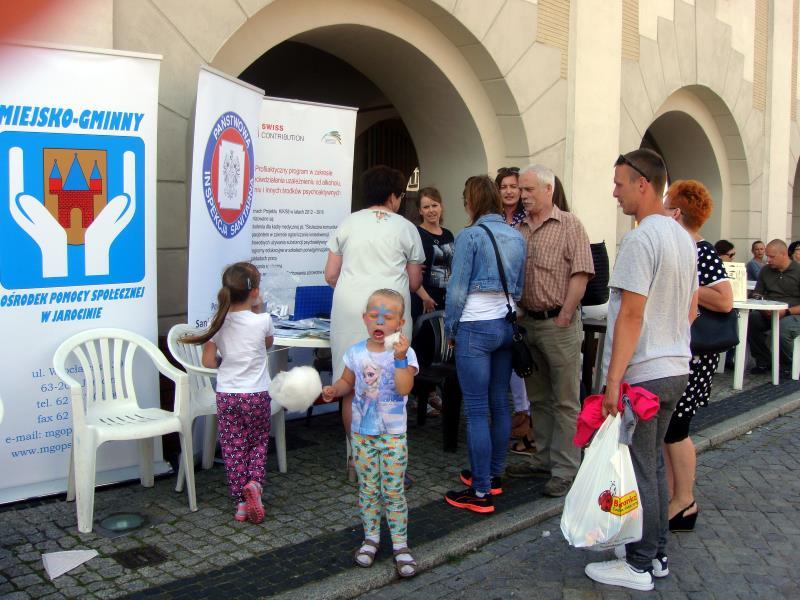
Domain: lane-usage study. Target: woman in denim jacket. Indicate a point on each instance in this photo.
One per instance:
(475, 320)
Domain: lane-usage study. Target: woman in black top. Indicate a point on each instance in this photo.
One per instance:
(438, 245)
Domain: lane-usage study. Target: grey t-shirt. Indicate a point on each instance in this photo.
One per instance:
(658, 260)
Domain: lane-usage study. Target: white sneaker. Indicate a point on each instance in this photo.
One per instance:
(660, 564)
(619, 572)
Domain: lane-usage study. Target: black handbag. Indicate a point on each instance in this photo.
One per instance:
(521, 357)
(597, 287)
(714, 331)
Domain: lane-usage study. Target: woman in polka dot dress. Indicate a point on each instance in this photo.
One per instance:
(690, 204)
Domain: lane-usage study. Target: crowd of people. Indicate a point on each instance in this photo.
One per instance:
(524, 258)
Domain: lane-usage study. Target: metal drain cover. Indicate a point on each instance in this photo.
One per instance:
(136, 558)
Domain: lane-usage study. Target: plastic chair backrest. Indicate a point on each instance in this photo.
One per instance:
(190, 357)
(442, 350)
(106, 358)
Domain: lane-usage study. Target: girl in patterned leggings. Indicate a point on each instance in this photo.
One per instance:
(382, 379)
(241, 333)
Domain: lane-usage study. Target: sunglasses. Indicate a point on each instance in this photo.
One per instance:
(624, 161)
(729, 254)
(514, 170)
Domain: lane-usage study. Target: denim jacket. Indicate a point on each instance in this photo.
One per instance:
(475, 266)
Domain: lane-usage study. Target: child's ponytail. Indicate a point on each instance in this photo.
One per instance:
(237, 282)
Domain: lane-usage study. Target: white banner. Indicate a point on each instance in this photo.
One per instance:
(77, 242)
(304, 176)
(226, 113)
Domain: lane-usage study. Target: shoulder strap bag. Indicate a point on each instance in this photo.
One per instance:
(521, 358)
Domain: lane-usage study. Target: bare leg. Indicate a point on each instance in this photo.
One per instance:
(683, 459)
(347, 420)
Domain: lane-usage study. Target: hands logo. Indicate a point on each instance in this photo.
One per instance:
(58, 225)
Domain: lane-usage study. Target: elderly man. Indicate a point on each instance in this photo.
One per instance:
(653, 299)
(558, 265)
(779, 280)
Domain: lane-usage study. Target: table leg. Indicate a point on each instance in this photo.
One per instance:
(776, 348)
(738, 368)
(597, 381)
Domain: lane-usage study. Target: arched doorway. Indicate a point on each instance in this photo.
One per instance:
(412, 60)
(695, 133)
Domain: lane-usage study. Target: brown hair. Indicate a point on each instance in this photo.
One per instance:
(389, 293)
(483, 196)
(504, 172)
(693, 199)
(559, 196)
(433, 194)
(238, 280)
(380, 182)
(648, 164)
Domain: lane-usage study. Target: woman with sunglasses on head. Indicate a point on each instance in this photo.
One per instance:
(507, 181)
(372, 248)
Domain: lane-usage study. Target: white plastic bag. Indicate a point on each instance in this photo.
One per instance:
(603, 508)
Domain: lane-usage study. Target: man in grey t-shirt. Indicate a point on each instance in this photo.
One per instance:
(653, 299)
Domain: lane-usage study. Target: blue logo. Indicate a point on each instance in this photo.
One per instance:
(228, 174)
(71, 210)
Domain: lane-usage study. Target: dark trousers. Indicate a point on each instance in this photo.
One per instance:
(651, 476)
(759, 340)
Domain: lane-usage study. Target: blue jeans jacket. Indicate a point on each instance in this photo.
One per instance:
(475, 266)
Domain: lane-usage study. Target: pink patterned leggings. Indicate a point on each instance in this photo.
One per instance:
(243, 421)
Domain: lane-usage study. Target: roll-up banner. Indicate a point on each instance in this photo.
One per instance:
(226, 117)
(77, 242)
(304, 176)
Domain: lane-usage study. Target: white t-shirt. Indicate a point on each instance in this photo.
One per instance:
(240, 341)
(486, 306)
(658, 260)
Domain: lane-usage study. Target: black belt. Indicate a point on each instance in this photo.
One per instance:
(542, 315)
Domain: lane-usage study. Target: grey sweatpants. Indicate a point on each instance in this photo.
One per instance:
(651, 476)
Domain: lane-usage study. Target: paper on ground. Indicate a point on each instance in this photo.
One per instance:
(58, 563)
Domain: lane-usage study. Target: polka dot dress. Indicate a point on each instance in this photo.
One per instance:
(702, 367)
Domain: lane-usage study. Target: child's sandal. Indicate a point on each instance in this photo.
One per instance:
(363, 551)
(399, 563)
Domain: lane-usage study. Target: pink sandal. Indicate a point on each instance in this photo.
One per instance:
(252, 499)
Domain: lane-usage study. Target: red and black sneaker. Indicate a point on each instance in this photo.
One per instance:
(496, 484)
(469, 500)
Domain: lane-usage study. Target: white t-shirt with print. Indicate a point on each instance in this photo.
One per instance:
(377, 407)
(240, 341)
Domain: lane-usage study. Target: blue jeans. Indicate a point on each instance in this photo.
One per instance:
(483, 363)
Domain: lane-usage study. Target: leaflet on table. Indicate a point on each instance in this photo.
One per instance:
(319, 328)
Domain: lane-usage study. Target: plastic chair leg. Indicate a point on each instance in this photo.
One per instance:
(71, 474)
(209, 441)
(187, 462)
(146, 462)
(181, 474)
(279, 430)
(85, 465)
(796, 359)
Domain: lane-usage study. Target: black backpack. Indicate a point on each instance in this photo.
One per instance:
(597, 288)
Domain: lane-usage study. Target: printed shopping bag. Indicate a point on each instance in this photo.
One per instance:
(603, 508)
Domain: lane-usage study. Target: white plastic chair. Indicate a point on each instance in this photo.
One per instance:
(1, 411)
(204, 402)
(105, 408)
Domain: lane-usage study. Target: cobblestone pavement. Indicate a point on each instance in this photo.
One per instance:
(745, 544)
(310, 529)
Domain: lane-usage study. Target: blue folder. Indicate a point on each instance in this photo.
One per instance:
(312, 301)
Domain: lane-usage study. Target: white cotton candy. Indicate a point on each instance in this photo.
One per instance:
(391, 340)
(297, 389)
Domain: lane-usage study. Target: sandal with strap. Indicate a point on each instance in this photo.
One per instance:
(528, 447)
(363, 550)
(399, 563)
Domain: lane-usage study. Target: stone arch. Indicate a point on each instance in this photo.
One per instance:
(697, 137)
(430, 65)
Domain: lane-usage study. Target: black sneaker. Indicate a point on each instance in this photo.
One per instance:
(496, 483)
(660, 566)
(469, 500)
